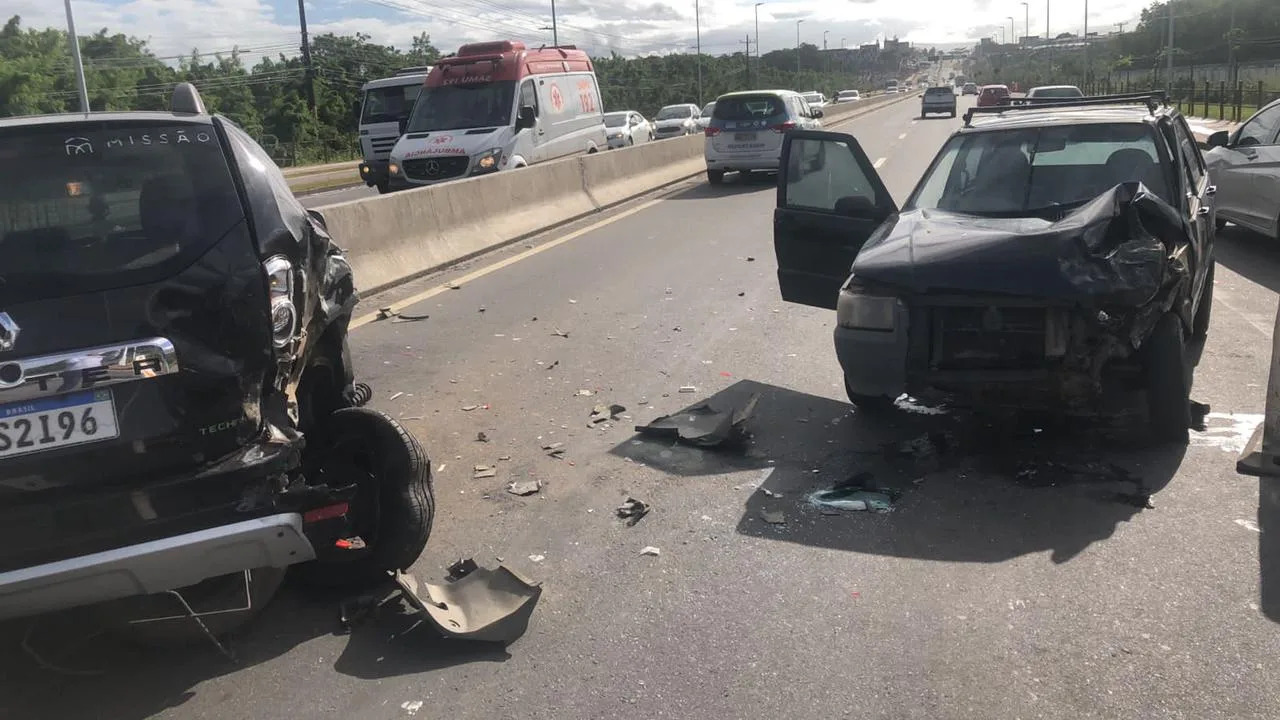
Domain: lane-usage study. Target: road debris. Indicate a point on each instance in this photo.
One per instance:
(460, 568)
(770, 493)
(585, 393)
(469, 408)
(632, 511)
(701, 425)
(853, 494)
(773, 517)
(688, 389)
(524, 487)
(560, 333)
(481, 437)
(452, 285)
(388, 313)
(650, 550)
(411, 707)
(484, 471)
(601, 413)
(396, 396)
(537, 558)
(481, 309)
(1248, 525)
(487, 605)
(554, 450)
(750, 259)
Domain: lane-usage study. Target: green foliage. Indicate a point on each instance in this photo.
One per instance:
(269, 99)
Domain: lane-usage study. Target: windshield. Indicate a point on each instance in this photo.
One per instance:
(389, 104)
(97, 207)
(938, 91)
(708, 109)
(812, 98)
(741, 108)
(1039, 171)
(615, 119)
(672, 112)
(1056, 92)
(461, 107)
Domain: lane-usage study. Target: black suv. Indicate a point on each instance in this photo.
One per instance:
(177, 404)
(1052, 257)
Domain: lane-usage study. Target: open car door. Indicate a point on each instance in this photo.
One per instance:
(830, 201)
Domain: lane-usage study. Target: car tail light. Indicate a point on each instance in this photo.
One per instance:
(783, 127)
(284, 315)
(711, 131)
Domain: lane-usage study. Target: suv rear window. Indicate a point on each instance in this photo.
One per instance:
(101, 205)
(939, 91)
(749, 107)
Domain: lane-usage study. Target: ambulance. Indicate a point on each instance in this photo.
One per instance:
(496, 106)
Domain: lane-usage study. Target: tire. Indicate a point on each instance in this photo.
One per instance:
(715, 177)
(871, 405)
(217, 593)
(394, 506)
(1200, 326)
(1167, 381)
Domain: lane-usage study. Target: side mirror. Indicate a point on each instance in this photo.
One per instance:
(1219, 139)
(526, 118)
(817, 113)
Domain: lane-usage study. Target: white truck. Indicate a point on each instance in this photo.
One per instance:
(383, 111)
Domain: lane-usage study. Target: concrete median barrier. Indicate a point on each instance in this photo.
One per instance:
(394, 238)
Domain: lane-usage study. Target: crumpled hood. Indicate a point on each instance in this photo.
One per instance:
(1113, 249)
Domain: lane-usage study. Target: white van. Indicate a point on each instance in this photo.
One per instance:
(495, 106)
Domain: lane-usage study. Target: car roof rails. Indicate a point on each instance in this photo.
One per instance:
(186, 100)
(1152, 100)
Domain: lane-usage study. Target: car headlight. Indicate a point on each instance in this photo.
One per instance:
(393, 168)
(487, 161)
(858, 310)
(284, 316)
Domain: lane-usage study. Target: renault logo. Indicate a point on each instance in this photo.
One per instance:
(8, 332)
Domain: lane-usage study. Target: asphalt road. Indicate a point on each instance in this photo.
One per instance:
(333, 197)
(1000, 586)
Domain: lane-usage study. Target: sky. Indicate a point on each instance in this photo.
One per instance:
(629, 27)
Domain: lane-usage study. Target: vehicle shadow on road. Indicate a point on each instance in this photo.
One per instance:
(1249, 254)
(101, 675)
(734, 184)
(964, 488)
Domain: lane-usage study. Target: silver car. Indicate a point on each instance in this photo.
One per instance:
(746, 130)
(626, 128)
(1245, 167)
(676, 120)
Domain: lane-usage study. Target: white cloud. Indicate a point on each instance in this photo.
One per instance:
(173, 27)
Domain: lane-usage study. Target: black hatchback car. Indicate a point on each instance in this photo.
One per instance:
(177, 403)
(1051, 257)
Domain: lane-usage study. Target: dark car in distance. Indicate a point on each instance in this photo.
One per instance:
(1054, 258)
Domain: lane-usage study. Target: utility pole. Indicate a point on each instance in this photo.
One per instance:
(798, 48)
(555, 35)
(697, 24)
(1046, 20)
(1120, 27)
(758, 43)
(1232, 41)
(1026, 18)
(1168, 81)
(747, 55)
(74, 41)
(309, 74)
(1086, 42)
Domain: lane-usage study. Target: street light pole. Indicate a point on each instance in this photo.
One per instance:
(555, 36)
(798, 48)
(1013, 31)
(1046, 20)
(1086, 42)
(758, 43)
(697, 24)
(74, 41)
(1026, 17)
(1168, 81)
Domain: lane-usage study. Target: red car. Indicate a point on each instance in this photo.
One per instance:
(993, 95)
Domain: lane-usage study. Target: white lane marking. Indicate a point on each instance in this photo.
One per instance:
(878, 163)
(903, 136)
(1226, 431)
(1259, 321)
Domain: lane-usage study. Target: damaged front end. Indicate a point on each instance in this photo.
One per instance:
(1021, 312)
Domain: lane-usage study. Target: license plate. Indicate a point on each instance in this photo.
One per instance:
(49, 423)
(744, 137)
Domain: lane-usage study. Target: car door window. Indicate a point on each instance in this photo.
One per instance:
(822, 174)
(529, 96)
(1192, 162)
(1262, 129)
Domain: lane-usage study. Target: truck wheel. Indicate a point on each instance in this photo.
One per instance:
(715, 177)
(394, 504)
(871, 405)
(1200, 326)
(218, 593)
(1166, 379)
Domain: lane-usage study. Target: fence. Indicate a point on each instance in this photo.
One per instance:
(1213, 100)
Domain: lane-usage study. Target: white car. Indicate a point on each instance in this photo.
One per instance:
(746, 130)
(1056, 92)
(626, 128)
(705, 118)
(815, 99)
(845, 96)
(676, 120)
(1245, 167)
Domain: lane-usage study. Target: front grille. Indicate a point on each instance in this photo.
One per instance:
(436, 168)
(987, 338)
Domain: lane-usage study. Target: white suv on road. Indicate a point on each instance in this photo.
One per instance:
(746, 129)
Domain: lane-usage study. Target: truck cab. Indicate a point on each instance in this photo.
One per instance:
(383, 110)
(497, 106)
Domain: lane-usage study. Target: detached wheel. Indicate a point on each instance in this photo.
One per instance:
(394, 504)
(1200, 326)
(1167, 381)
(715, 177)
(872, 405)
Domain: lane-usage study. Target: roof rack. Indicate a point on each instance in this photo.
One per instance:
(1153, 100)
